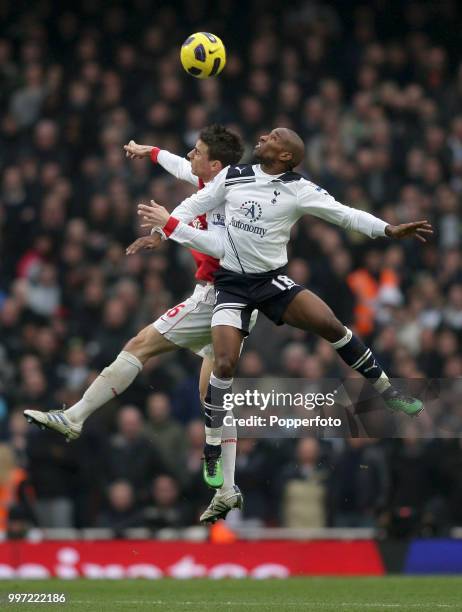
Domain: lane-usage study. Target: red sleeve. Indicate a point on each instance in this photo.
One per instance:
(154, 154)
(170, 226)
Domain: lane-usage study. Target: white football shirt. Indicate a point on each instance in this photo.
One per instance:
(257, 211)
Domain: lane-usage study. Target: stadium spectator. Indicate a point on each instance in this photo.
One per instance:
(166, 434)
(194, 492)
(410, 486)
(166, 508)
(53, 467)
(360, 484)
(304, 494)
(130, 455)
(252, 464)
(121, 512)
(12, 479)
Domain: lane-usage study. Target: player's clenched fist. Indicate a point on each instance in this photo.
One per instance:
(137, 151)
(153, 215)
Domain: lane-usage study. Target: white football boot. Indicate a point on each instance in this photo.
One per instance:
(221, 504)
(56, 420)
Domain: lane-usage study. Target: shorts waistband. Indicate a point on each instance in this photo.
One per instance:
(254, 275)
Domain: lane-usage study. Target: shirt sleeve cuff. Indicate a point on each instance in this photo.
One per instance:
(170, 226)
(154, 153)
(160, 231)
(380, 229)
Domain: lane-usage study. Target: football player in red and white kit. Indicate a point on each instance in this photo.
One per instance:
(186, 325)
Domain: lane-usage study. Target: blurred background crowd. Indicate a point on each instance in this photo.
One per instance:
(375, 90)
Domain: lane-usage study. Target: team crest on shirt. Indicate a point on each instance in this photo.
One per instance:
(253, 210)
(199, 222)
(276, 193)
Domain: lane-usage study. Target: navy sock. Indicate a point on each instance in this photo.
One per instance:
(214, 408)
(360, 358)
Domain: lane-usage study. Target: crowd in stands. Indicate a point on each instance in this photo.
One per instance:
(375, 90)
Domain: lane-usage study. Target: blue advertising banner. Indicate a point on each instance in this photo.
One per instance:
(439, 556)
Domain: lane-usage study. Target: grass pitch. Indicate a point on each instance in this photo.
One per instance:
(400, 594)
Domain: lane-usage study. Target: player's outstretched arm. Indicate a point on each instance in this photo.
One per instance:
(176, 165)
(208, 242)
(316, 201)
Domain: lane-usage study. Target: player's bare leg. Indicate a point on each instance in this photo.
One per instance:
(110, 383)
(149, 343)
(204, 376)
(308, 311)
(227, 342)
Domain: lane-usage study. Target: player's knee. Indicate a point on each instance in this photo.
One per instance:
(135, 344)
(140, 346)
(203, 388)
(224, 366)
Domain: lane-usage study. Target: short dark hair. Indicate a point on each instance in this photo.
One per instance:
(223, 145)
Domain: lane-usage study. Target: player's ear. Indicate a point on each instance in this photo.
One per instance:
(285, 156)
(216, 166)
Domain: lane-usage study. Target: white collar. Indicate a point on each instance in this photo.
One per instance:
(263, 174)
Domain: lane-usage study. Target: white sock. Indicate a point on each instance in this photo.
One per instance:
(228, 454)
(382, 383)
(213, 435)
(112, 381)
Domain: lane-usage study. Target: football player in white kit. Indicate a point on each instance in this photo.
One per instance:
(262, 203)
(186, 325)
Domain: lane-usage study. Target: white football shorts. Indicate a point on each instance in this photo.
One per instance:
(188, 324)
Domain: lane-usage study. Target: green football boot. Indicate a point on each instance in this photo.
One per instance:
(212, 470)
(398, 402)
